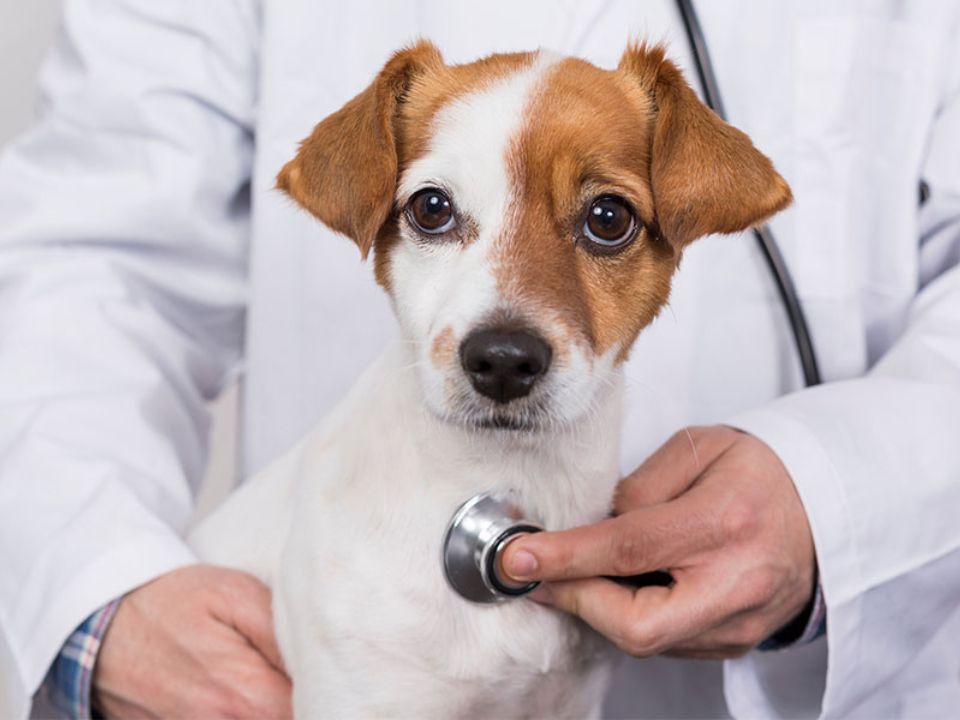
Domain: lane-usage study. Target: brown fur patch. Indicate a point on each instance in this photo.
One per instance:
(387, 126)
(588, 135)
(638, 132)
(414, 123)
(443, 349)
(345, 172)
(707, 176)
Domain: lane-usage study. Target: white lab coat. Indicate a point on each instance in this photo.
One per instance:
(137, 279)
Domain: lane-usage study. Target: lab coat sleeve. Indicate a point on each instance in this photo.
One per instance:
(876, 461)
(123, 226)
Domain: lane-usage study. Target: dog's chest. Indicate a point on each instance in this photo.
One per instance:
(361, 580)
(366, 620)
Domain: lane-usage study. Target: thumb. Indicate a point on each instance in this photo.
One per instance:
(639, 541)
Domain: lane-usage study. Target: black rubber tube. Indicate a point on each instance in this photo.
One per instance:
(763, 234)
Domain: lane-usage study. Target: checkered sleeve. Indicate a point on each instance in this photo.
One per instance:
(71, 675)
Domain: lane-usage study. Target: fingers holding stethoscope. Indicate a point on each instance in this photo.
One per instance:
(703, 614)
(730, 529)
(660, 521)
(640, 541)
(682, 535)
(644, 621)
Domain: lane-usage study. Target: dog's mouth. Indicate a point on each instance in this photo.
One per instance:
(505, 422)
(521, 417)
(462, 406)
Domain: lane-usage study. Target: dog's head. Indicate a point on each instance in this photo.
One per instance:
(527, 213)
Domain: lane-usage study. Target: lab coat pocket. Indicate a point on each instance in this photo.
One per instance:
(864, 96)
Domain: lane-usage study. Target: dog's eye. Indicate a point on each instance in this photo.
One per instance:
(610, 222)
(431, 211)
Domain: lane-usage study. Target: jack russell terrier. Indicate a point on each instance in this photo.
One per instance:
(526, 212)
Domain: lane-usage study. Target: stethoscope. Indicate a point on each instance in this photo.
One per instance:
(482, 527)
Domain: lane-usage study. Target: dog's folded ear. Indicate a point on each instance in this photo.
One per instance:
(706, 175)
(345, 172)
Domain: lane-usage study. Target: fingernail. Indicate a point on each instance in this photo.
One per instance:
(542, 594)
(522, 565)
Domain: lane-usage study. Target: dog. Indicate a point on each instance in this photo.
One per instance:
(526, 213)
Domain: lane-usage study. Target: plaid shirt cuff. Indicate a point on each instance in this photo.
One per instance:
(814, 627)
(71, 675)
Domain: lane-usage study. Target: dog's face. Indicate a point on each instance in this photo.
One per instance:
(527, 213)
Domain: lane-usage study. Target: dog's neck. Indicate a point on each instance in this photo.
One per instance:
(561, 476)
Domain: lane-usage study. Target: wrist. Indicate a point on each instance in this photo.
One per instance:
(809, 625)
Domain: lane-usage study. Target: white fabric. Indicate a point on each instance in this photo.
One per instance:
(136, 276)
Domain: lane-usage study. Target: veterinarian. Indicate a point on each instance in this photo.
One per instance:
(146, 263)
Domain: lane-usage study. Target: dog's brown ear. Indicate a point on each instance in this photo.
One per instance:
(345, 172)
(706, 176)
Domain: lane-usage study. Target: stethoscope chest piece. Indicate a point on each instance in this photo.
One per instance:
(476, 536)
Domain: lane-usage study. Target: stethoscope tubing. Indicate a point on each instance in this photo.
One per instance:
(763, 234)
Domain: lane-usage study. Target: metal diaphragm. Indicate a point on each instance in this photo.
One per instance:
(475, 538)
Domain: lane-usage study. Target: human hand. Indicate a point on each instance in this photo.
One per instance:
(716, 508)
(196, 642)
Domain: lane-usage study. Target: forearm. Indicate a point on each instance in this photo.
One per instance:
(122, 281)
(875, 461)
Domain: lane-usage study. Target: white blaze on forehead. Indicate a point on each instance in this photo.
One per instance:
(471, 136)
(443, 284)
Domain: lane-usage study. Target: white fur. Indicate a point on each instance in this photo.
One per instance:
(348, 532)
(347, 527)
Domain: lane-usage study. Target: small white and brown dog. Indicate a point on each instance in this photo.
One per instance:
(526, 214)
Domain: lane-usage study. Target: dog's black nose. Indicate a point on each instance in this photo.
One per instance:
(504, 364)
